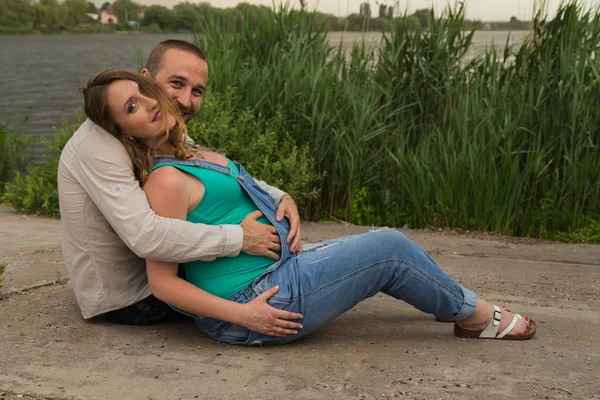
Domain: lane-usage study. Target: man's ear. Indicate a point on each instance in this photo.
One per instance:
(146, 73)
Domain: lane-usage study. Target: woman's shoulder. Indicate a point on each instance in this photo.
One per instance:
(167, 192)
(167, 177)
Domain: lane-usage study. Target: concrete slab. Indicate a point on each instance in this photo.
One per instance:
(380, 349)
(30, 245)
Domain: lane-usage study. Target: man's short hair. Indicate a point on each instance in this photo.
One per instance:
(157, 55)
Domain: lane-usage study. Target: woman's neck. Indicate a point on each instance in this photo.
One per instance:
(163, 149)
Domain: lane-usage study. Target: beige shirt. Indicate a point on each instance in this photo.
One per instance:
(109, 228)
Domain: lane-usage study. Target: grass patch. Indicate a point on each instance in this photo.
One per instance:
(2, 269)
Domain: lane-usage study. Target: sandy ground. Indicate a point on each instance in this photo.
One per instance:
(380, 349)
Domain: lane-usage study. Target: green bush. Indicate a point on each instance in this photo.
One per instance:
(36, 192)
(13, 157)
(265, 146)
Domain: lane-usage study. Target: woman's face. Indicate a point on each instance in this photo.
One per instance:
(137, 115)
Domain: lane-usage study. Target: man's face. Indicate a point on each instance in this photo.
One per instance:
(184, 76)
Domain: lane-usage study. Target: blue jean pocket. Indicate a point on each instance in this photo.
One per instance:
(235, 334)
(240, 335)
(213, 328)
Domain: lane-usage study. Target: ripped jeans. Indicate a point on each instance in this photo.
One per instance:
(333, 276)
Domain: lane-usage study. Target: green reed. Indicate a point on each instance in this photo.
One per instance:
(418, 134)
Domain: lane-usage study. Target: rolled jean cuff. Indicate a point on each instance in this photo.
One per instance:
(469, 305)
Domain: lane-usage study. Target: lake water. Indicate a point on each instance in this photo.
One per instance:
(481, 40)
(40, 74)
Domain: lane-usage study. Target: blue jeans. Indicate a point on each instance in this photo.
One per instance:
(333, 276)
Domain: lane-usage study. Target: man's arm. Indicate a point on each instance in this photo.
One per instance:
(272, 190)
(104, 169)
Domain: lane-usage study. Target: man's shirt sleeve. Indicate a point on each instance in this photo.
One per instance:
(273, 191)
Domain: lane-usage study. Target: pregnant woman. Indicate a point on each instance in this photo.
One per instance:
(251, 299)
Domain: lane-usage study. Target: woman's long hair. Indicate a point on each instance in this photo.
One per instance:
(96, 109)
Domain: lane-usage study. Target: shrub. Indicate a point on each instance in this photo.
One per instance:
(37, 191)
(265, 146)
(13, 158)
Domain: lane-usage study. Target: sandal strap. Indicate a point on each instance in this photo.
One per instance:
(492, 329)
(512, 324)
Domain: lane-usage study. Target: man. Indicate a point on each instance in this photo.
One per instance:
(108, 226)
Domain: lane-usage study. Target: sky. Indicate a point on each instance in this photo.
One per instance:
(487, 10)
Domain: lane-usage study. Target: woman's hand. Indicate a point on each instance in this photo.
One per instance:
(262, 318)
(288, 209)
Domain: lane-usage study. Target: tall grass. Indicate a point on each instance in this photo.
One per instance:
(418, 134)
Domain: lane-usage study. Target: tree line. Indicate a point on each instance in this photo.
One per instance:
(52, 15)
(70, 15)
(43, 13)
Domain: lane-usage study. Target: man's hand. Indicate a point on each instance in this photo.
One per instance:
(262, 318)
(288, 209)
(259, 239)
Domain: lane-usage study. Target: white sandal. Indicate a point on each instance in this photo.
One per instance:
(491, 331)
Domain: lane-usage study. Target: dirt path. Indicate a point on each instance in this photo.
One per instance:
(380, 349)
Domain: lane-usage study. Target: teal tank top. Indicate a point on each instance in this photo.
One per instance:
(224, 202)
